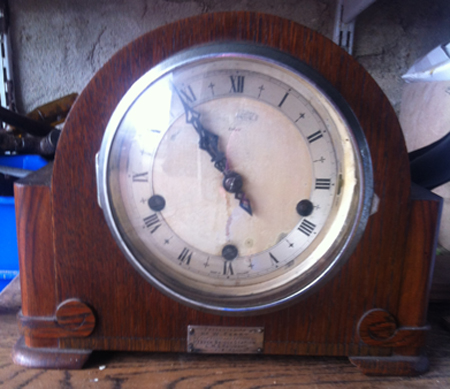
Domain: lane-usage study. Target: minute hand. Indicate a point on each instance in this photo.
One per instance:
(208, 141)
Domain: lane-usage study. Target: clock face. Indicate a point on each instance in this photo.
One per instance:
(234, 179)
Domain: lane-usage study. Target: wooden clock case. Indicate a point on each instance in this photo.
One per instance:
(79, 293)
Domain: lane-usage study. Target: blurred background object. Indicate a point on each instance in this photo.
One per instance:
(425, 120)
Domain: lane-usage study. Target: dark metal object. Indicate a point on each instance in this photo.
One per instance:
(208, 141)
(430, 165)
(14, 171)
(156, 203)
(28, 144)
(229, 252)
(35, 133)
(30, 126)
(232, 182)
(48, 143)
(305, 207)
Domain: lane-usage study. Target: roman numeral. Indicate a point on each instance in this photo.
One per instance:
(188, 94)
(306, 227)
(314, 137)
(227, 269)
(152, 221)
(283, 99)
(237, 84)
(185, 255)
(323, 183)
(140, 177)
(274, 260)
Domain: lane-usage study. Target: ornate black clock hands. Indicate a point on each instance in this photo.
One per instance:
(232, 181)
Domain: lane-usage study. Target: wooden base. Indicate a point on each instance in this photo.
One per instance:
(48, 358)
(144, 370)
(55, 358)
(396, 365)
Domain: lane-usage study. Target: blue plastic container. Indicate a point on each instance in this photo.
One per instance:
(9, 257)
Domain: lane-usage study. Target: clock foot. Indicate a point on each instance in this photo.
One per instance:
(396, 365)
(48, 358)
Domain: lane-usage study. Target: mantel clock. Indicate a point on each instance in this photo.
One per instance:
(229, 183)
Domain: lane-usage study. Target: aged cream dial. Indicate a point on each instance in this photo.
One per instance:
(233, 179)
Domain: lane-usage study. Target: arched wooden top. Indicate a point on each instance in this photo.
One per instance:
(89, 116)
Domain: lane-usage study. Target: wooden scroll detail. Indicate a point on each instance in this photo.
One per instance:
(378, 327)
(73, 318)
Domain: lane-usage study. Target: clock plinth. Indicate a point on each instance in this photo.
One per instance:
(67, 254)
(48, 357)
(395, 365)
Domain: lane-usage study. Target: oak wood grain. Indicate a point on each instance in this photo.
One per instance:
(126, 370)
(34, 213)
(33, 205)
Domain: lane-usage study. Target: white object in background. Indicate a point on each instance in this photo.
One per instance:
(343, 31)
(435, 66)
(344, 21)
(425, 114)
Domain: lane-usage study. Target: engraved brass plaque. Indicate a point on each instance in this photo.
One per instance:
(225, 340)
